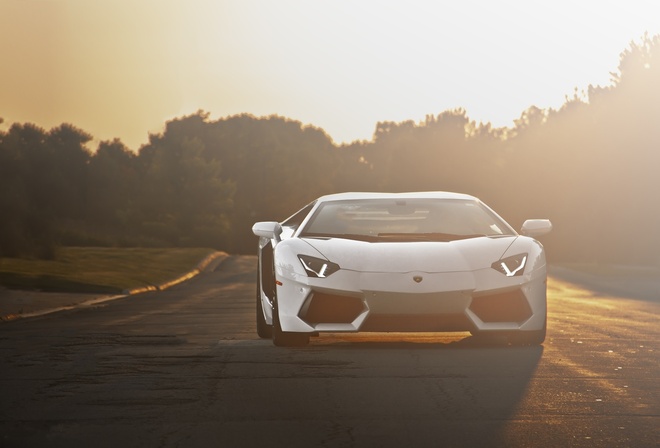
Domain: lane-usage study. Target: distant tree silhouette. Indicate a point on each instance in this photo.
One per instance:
(184, 200)
(43, 186)
(15, 203)
(275, 165)
(113, 187)
(590, 166)
(69, 158)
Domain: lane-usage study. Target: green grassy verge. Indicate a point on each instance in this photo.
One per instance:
(100, 269)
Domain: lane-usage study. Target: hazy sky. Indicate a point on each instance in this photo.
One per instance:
(121, 68)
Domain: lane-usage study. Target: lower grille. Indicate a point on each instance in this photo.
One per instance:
(509, 306)
(320, 308)
(416, 323)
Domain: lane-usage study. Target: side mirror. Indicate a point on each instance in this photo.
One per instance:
(268, 229)
(536, 227)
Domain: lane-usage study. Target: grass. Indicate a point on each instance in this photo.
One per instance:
(100, 269)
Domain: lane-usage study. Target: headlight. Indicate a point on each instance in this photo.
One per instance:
(511, 266)
(318, 267)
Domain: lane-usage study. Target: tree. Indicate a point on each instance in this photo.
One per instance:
(112, 189)
(184, 201)
(27, 228)
(69, 157)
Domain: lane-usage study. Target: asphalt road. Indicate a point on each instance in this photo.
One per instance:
(183, 367)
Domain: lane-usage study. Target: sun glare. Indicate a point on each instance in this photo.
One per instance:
(119, 69)
(349, 65)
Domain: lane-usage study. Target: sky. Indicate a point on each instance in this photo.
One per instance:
(122, 68)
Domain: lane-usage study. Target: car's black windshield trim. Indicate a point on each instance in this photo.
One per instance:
(346, 236)
(431, 236)
(398, 237)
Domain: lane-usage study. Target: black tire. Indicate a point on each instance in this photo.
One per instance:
(285, 338)
(535, 337)
(264, 330)
(524, 338)
(528, 337)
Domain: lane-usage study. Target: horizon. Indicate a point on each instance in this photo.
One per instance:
(123, 70)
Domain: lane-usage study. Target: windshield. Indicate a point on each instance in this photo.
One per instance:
(405, 220)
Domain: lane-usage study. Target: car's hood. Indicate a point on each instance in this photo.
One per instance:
(455, 256)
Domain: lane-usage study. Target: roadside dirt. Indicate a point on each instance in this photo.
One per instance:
(15, 304)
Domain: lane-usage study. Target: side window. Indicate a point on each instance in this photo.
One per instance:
(294, 221)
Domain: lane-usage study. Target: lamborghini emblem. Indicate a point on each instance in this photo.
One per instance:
(418, 278)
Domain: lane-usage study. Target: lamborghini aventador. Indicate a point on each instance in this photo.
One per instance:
(400, 262)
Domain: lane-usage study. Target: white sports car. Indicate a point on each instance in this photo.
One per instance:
(420, 262)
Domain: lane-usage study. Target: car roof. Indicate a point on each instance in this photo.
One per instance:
(407, 195)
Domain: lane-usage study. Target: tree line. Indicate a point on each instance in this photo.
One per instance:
(590, 166)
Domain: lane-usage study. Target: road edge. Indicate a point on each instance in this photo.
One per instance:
(211, 261)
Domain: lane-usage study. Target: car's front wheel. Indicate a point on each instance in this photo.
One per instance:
(286, 338)
(528, 337)
(264, 331)
(535, 337)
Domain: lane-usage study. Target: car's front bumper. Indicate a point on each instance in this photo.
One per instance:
(349, 301)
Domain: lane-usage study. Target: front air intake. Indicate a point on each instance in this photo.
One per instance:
(511, 306)
(321, 308)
